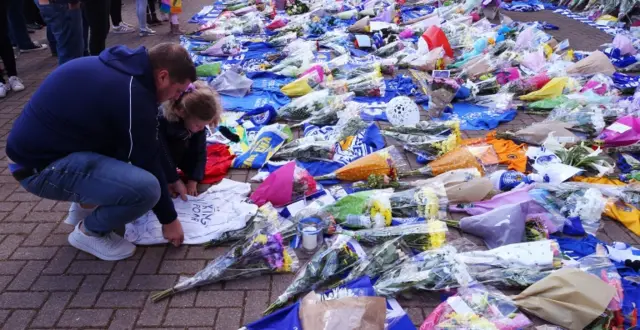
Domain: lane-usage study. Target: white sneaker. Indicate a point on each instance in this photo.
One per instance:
(15, 84)
(147, 32)
(77, 214)
(3, 90)
(126, 24)
(121, 29)
(107, 247)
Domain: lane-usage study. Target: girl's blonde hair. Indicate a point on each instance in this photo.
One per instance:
(199, 101)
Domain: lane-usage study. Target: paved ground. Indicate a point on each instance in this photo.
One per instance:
(45, 283)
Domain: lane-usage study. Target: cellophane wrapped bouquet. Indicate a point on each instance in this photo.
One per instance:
(263, 251)
(427, 139)
(423, 236)
(437, 269)
(325, 267)
(478, 308)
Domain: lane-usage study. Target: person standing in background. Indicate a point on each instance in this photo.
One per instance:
(152, 17)
(141, 12)
(117, 25)
(173, 8)
(96, 22)
(64, 20)
(18, 27)
(7, 56)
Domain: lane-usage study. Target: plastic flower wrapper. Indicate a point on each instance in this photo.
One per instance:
(390, 49)
(385, 255)
(326, 266)
(503, 269)
(227, 46)
(477, 307)
(442, 92)
(427, 235)
(600, 265)
(303, 107)
(303, 149)
(295, 60)
(287, 184)
(364, 209)
(303, 85)
(388, 161)
(427, 139)
(267, 218)
(281, 40)
(429, 270)
(584, 157)
(371, 85)
(456, 159)
(429, 202)
(262, 252)
(327, 116)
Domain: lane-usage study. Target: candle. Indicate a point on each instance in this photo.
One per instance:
(310, 238)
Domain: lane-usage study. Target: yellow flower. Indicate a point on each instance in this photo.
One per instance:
(262, 238)
(428, 203)
(379, 207)
(286, 262)
(437, 233)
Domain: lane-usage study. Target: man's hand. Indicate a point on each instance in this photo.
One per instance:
(173, 232)
(178, 189)
(192, 188)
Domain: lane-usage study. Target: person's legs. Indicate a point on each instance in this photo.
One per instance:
(152, 17)
(141, 13)
(66, 27)
(97, 15)
(7, 56)
(121, 191)
(115, 10)
(18, 27)
(85, 31)
(52, 42)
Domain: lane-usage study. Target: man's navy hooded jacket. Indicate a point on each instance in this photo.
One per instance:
(104, 104)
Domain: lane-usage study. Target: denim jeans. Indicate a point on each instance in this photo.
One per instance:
(141, 12)
(121, 191)
(17, 25)
(66, 27)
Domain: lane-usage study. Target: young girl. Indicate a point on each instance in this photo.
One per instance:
(182, 125)
(172, 8)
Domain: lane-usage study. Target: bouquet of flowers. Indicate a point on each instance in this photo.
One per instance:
(366, 85)
(267, 218)
(390, 49)
(305, 150)
(381, 258)
(443, 90)
(349, 71)
(388, 161)
(364, 209)
(419, 236)
(281, 40)
(303, 107)
(325, 266)
(519, 265)
(429, 202)
(303, 85)
(429, 270)
(427, 139)
(227, 46)
(477, 307)
(287, 184)
(262, 252)
(456, 159)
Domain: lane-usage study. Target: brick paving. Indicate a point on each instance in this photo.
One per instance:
(45, 283)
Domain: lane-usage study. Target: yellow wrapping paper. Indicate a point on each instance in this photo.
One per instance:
(552, 89)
